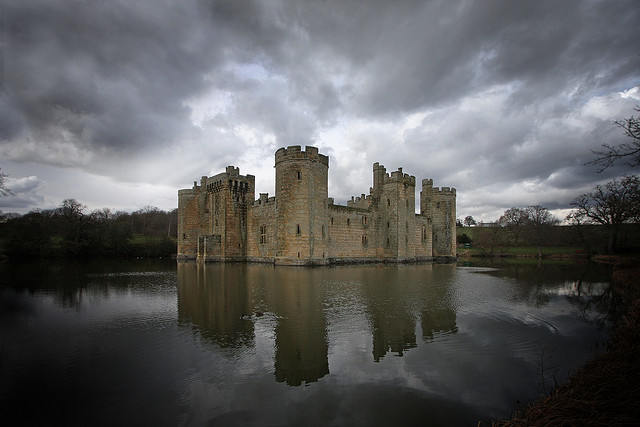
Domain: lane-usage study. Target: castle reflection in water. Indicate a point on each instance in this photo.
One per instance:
(227, 302)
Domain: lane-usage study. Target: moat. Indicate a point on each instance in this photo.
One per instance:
(160, 343)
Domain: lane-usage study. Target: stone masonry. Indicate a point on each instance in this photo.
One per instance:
(220, 219)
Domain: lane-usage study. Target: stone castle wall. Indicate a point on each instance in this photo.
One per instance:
(350, 234)
(262, 230)
(219, 220)
(188, 223)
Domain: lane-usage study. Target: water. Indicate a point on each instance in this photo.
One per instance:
(155, 343)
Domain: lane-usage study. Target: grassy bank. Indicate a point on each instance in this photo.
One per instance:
(591, 239)
(522, 251)
(605, 391)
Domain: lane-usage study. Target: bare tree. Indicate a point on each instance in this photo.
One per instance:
(629, 150)
(539, 220)
(71, 208)
(514, 220)
(72, 213)
(487, 238)
(577, 220)
(4, 191)
(612, 204)
(469, 221)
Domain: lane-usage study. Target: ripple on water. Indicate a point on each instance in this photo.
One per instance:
(507, 326)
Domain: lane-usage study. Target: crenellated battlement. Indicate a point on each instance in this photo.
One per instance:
(427, 185)
(362, 201)
(400, 177)
(230, 179)
(264, 199)
(232, 171)
(381, 177)
(295, 152)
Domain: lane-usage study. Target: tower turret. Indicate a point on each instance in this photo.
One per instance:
(213, 217)
(301, 205)
(394, 207)
(439, 206)
(188, 222)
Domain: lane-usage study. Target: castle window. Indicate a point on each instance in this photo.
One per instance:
(364, 220)
(298, 229)
(387, 224)
(388, 202)
(184, 236)
(263, 234)
(331, 220)
(364, 241)
(348, 221)
(298, 254)
(322, 230)
(299, 176)
(388, 242)
(424, 232)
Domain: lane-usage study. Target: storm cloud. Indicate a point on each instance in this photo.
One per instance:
(503, 100)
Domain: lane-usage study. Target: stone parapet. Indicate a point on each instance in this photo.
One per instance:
(295, 152)
(360, 202)
(427, 184)
(399, 176)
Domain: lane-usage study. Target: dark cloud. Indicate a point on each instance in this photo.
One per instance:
(107, 73)
(504, 100)
(440, 52)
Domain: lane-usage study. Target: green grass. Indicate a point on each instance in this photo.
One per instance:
(522, 251)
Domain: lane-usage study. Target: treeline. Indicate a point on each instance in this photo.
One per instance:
(535, 226)
(492, 239)
(71, 231)
(532, 222)
(611, 209)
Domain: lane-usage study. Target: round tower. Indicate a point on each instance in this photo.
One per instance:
(301, 206)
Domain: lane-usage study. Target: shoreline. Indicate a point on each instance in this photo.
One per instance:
(606, 390)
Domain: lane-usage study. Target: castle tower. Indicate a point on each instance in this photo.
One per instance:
(399, 192)
(188, 222)
(301, 206)
(212, 216)
(394, 205)
(379, 174)
(439, 206)
(229, 195)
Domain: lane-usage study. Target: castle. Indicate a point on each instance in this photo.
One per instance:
(220, 219)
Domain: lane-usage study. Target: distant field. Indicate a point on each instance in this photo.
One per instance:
(526, 251)
(557, 240)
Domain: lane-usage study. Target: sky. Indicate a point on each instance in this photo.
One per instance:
(120, 103)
